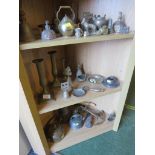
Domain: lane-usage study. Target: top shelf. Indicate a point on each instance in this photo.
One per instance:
(72, 40)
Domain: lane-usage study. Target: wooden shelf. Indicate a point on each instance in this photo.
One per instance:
(61, 103)
(76, 136)
(72, 40)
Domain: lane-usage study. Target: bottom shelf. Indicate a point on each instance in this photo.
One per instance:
(76, 136)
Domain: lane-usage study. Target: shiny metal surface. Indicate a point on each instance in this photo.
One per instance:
(111, 82)
(79, 92)
(95, 78)
(76, 121)
(66, 25)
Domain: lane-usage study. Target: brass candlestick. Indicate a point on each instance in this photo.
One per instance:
(64, 70)
(56, 82)
(42, 80)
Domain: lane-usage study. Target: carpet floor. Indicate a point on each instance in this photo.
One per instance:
(110, 143)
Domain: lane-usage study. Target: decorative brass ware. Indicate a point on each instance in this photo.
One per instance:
(42, 80)
(56, 82)
(25, 32)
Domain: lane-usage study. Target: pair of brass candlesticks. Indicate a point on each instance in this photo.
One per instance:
(46, 94)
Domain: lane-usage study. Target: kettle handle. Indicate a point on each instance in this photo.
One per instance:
(65, 7)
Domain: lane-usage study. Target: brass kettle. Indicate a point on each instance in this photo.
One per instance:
(66, 25)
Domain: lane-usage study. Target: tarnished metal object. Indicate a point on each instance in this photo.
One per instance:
(95, 78)
(80, 76)
(42, 79)
(95, 89)
(66, 25)
(99, 21)
(56, 82)
(88, 120)
(79, 92)
(78, 32)
(111, 82)
(102, 31)
(65, 90)
(76, 121)
(47, 33)
(110, 26)
(54, 130)
(89, 28)
(68, 74)
(112, 116)
(25, 31)
(99, 115)
(119, 25)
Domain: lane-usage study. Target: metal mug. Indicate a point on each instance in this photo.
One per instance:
(78, 32)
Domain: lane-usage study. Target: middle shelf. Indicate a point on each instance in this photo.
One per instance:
(60, 102)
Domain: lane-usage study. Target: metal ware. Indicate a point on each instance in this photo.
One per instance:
(111, 116)
(89, 120)
(65, 114)
(56, 82)
(102, 31)
(97, 89)
(111, 82)
(79, 75)
(68, 73)
(95, 78)
(42, 80)
(66, 25)
(81, 78)
(65, 90)
(99, 115)
(85, 34)
(88, 27)
(99, 21)
(110, 26)
(120, 26)
(25, 31)
(79, 92)
(78, 32)
(47, 33)
(54, 130)
(79, 71)
(76, 121)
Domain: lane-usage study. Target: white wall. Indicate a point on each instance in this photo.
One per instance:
(24, 145)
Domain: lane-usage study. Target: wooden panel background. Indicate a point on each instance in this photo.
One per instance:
(37, 11)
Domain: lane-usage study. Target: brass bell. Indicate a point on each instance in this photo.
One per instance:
(25, 32)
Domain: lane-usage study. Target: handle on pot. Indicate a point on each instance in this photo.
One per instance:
(65, 7)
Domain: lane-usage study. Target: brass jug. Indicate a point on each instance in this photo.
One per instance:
(66, 25)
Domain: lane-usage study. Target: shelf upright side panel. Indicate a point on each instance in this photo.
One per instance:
(125, 87)
(29, 115)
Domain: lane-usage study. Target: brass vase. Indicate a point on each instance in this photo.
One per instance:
(56, 82)
(45, 95)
